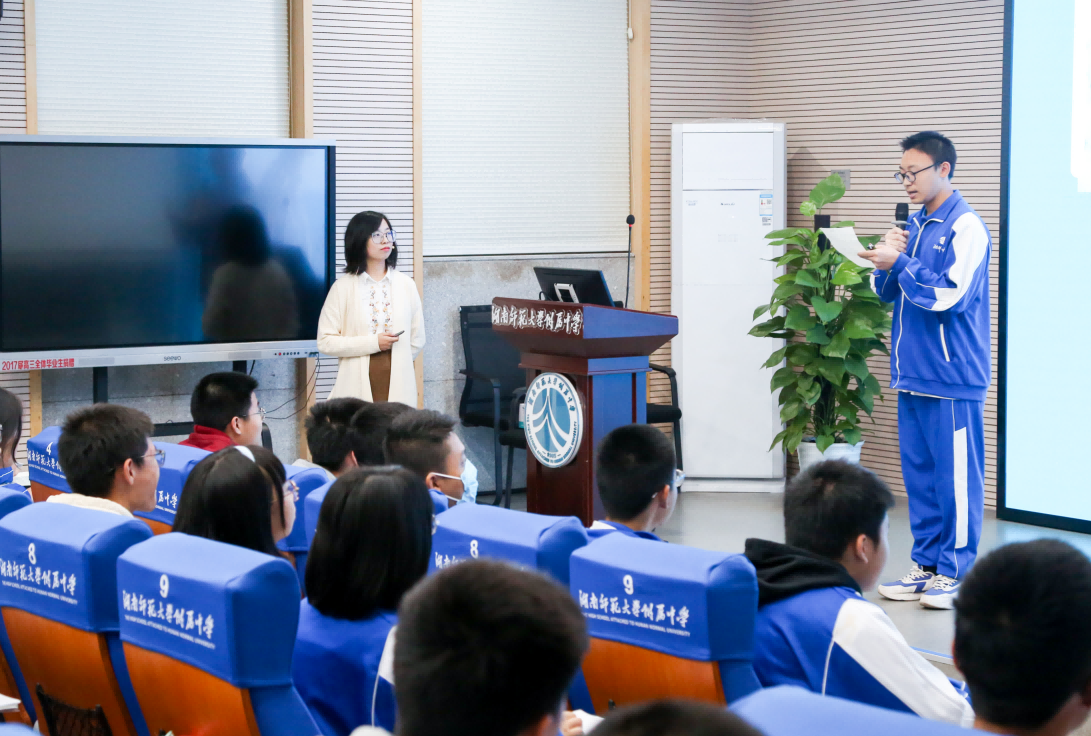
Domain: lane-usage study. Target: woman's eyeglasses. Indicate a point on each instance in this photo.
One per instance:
(388, 237)
(291, 490)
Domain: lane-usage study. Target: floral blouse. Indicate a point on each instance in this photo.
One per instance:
(377, 304)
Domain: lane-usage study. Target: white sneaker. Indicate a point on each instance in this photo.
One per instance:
(909, 588)
(943, 593)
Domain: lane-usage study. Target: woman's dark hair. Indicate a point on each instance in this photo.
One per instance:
(11, 419)
(227, 498)
(360, 228)
(372, 544)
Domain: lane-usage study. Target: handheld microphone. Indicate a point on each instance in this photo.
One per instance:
(630, 221)
(901, 215)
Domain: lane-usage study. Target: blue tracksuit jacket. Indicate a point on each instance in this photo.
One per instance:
(816, 631)
(343, 670)
(940, 289)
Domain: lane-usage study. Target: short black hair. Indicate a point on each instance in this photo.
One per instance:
(674, 717)
(329, 431)
(370, 426)
(633, 464)
(11, 419)
(96, 441)
(936, 146)
(418, 440)
(490, 647)
(1023, 631)
(829, 505)
(359, 230)
(220, 397)
(229, 498)
(372, 544)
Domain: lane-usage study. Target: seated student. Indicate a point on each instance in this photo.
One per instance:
(674, 718)
(372, 545)
(814, 629)
(636, 476)
(238, 496)
(329, 436)
(11, 429)
(370, 425)
(109, 460)
(485, 648)
(225, 412)
(425, 442)
(1023, 638)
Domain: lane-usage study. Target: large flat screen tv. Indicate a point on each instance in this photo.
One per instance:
(118, 251)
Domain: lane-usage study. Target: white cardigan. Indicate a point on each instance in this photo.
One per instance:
(343, 332)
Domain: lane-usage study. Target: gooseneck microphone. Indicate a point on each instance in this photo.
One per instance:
(901, 215)
(630, 221)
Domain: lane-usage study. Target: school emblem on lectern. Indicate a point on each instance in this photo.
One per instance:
(554, 420)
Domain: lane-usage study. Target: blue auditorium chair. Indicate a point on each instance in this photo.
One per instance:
(44, 466)
(178, 463)
(12, 498)
(14, 729)
(665, 621)
(313, 506)
(532, 540)
(307, 480)
(793, 711)
(58, 600)
(208, 631)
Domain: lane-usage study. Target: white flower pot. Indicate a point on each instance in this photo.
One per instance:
(809, 455)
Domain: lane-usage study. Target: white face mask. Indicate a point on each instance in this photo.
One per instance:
(469, 483)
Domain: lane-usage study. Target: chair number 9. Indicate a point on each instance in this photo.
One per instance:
(33, 558)
(164, 585)
(473, 548)
(627, 581)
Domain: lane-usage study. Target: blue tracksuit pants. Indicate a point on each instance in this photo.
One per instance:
(943, 466)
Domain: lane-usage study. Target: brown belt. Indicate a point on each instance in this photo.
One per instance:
(379, 375)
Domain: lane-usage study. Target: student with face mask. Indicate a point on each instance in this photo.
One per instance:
(426, 443)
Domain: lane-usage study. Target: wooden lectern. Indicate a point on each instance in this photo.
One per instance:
(603, 352)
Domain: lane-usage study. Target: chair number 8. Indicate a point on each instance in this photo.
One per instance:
(33, 558)
(627, 581)
(473, 548)
(164, 585)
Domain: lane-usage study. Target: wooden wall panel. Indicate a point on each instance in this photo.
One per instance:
(850, 78)
(363, 98)
(13, 120)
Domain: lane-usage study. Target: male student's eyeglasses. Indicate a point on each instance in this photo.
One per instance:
(911, 176)
(159, 455)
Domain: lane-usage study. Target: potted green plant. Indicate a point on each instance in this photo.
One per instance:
(832, 322)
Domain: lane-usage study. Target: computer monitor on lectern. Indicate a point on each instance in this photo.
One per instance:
(575, 286)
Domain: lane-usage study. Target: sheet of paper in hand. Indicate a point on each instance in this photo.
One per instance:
(845, 240)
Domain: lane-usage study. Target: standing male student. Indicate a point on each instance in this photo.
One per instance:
(937, 275)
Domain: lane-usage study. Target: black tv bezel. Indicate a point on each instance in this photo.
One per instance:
(330, 148)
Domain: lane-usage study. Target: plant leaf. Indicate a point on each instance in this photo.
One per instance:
(838, 347)
(857, 330)
(787, 233)
(817, 335)
(808, 208)
(870, 239)
(783, 377)
(828, 190)
(789, 257)
(826, 311)
(787, 290)
(776, 358)
(789, 411)
(801, 353)
(806, 277)
(823, 441)
(799, 318)
(760, 311)
(769, 325)
(852, 435)
(856, 365)
(831, 368)
(844, 223)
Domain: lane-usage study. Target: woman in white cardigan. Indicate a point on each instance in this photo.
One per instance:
(372, 319)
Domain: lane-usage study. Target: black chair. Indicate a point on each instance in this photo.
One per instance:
(493, 378)
(668, 413)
